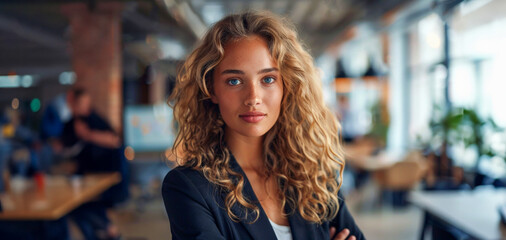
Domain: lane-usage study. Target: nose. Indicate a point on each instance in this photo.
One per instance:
(252, 94)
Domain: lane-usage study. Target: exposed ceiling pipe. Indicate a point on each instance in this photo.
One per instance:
(183, 13)
(132, 15)
(31, 33)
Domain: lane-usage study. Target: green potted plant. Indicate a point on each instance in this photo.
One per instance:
(380, 123)
(462, 125)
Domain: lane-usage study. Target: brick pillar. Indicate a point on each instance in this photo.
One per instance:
(157, 89)
(95, 45)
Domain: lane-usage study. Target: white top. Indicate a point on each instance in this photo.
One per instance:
(282, 232)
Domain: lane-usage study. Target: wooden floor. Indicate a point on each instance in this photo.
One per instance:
(144, 218)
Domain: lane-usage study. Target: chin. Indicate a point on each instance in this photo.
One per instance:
(250, 130)
(254, 134)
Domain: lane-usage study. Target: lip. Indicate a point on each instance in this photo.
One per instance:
(253, 117)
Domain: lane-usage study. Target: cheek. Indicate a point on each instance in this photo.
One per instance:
(277, 96)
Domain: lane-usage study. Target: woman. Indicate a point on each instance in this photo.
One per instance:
(258, 150)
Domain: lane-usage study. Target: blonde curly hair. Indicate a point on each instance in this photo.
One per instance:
(302, 149)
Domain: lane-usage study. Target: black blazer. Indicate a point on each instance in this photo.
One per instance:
(195, 208)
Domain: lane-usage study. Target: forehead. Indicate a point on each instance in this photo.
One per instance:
(251, 50)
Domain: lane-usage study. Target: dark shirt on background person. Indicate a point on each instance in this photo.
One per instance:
(99, 150)
(92, 157)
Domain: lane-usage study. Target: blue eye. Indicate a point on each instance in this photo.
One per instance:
(269, 80)
(233, 82)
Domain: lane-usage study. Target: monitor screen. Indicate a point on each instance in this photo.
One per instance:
(149, 127)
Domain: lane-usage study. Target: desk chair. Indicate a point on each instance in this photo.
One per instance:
(401, 176)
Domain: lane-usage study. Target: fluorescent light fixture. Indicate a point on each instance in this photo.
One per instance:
(10, 81)
(26, 81)
(15, 81)
(67, 78)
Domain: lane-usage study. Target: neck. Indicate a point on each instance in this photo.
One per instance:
(248, 151)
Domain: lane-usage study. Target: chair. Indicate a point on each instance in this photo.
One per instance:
(401, 176)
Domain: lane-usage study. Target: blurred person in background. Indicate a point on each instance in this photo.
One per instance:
(19, 157)
(97, 149)
(258, 150)
(56, 114)
(21, 145)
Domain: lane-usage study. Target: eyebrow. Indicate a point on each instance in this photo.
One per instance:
(235, 71)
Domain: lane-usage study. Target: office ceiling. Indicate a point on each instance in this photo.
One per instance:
(34, 33)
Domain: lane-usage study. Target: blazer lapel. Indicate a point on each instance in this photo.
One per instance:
(301, 229)
(260, 229)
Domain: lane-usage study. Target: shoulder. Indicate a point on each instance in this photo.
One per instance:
(183, 174)
(185, 179)
(191, 205)
(187, 188)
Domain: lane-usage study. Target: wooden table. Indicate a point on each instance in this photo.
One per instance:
(473, 212)
(59, 196)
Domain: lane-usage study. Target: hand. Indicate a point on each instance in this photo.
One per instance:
(82, 130)
(342, 235)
